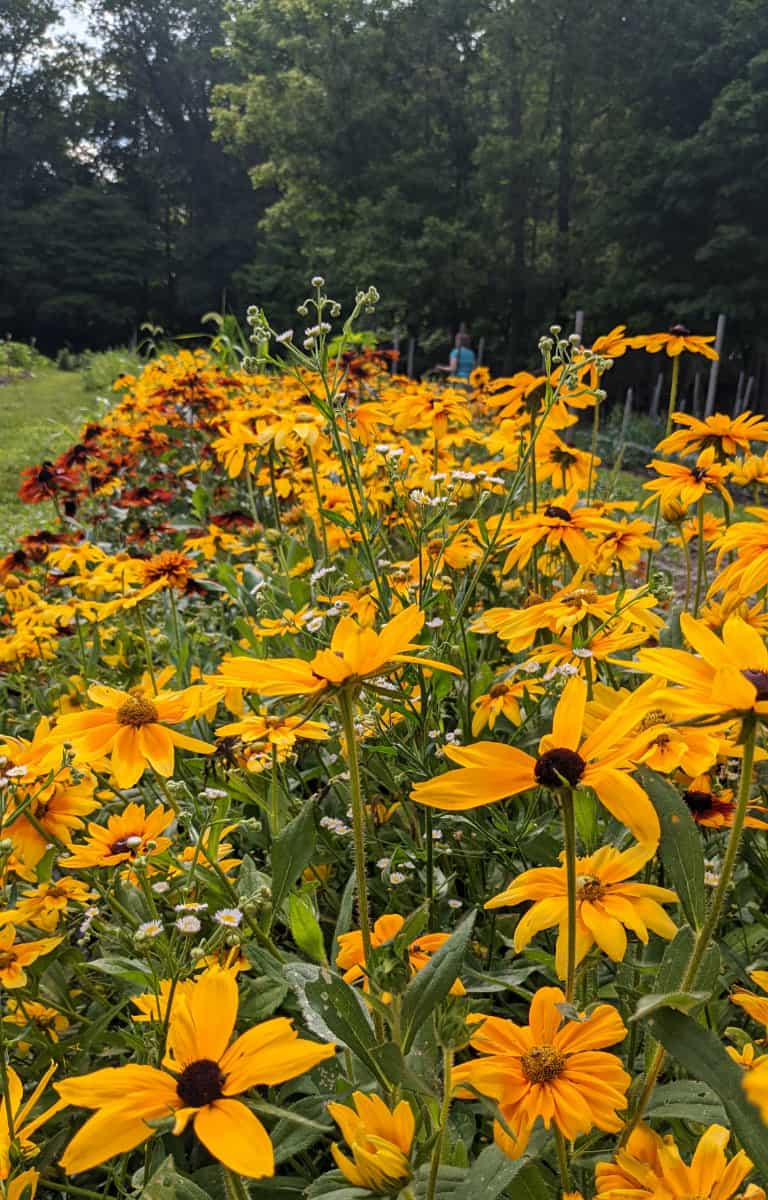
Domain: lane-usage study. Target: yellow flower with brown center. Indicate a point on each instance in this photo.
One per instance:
(170, 568)
(725, 433)
(688, 484)
(551, 1068)
(725, 678)
(48, 1022)
(380, 1139)
(16, 956)
(126, 835)
(132, 728)
(606, 903)
(492, 771)
(674, 342)
(44, 905)
(502, 699)
(356, 654)
(202, 1076)
(651, 1167)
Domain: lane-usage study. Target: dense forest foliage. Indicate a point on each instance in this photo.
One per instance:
(498, 162)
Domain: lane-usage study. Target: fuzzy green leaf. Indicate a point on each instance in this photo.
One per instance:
(432, 983)
(681, 848)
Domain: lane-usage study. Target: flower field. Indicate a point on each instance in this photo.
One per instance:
(382, 800)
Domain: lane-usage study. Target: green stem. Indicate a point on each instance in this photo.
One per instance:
(358, 818)
(569, 835)
(593, 452)
(274, 806)
(700, 556)
(318, 498)
(273, 489)
(437, 1150)
(147, 651)
(234, 1187)
(562, 1160)
(688, 568)
(672, 394)
(712, 920)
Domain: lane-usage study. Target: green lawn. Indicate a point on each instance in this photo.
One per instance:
(39, 417)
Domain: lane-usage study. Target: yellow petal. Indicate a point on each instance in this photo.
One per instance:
(236, 1137)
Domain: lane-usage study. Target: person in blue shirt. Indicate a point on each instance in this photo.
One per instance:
(462, 361)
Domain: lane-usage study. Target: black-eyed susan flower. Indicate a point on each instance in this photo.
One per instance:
(726, 677)
(728, 435)
(356, 654)
(716, 809)
(552, 1068)
(674, 342)
(132, 729)
(492, 771)
(651, 1167)
(379, 1139)
(16, 955)
(688, 484)
(607, 904)
(502, 699)
(126, 835)
(201, 1076)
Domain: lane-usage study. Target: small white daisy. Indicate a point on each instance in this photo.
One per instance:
(231, 917)
(188, 924)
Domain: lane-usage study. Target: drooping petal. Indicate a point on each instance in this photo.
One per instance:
(232, 1133)
(626, 801)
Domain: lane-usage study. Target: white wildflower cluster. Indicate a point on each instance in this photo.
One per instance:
(335, 825)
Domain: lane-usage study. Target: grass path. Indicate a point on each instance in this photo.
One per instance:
(39, 417)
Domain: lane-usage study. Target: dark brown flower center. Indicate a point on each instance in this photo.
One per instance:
(7, 959)
(136, 711)
(759, 681)
(126, 844)
(498, 690)
(698, 802)
(200, 1083)
(561, 514)
(559, 768)
(679, 330)
(542, 1064)
(589, 887)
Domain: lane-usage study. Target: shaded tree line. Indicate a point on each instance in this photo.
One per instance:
(498, 162)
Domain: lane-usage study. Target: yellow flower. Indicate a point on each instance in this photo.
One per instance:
(502, 698)
(726, 434)
(21, 1187)
(122, 839)
(130, 727)
(606, 903)
(380, 1140)
(724, 678)
(356, 653)
(19, 1110)
(551, 1068)
(351, 956)
(15, 956)
(674, 343)
(688, 484)
(202, 1075)
(755, 1006)
(491, 771)
(650, 1168)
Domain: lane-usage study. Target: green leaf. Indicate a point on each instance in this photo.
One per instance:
(334, 1186)
(168, 1184)
(129, 969)
(305, 929)
(675, 961)
(703, 1056)
(432, 983)
(491, 1173)
(300, 1127)
(344, 1013)
(449, 1181)
(344, 919)
(680, 1001)
(681, 848)
(688, 1100)
(291, 852)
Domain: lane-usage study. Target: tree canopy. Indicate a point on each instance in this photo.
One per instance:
(495, 162)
